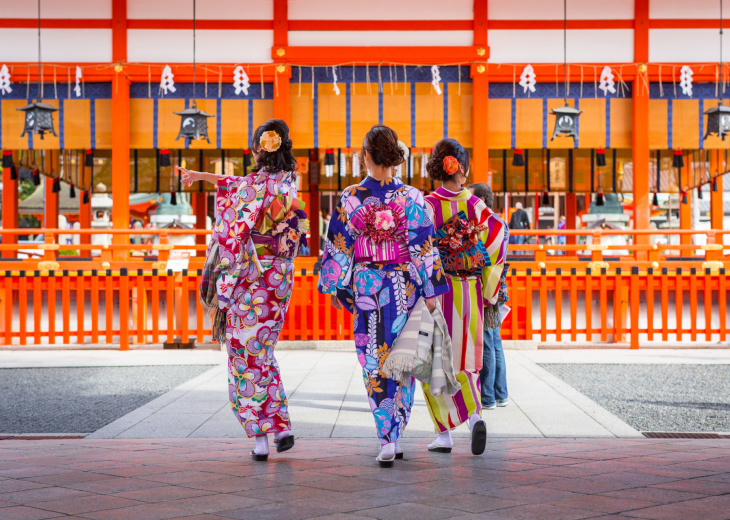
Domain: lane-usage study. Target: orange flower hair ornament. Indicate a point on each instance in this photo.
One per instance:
(451, 165)
(270, 141)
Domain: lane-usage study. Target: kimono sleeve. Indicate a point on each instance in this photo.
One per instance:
(337, 262)
(493, 240)
(237, 207)
(424, 253)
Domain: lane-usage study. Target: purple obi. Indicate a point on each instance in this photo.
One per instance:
(383, 237)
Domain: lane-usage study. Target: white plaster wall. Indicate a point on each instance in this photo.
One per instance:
(553, 9)
(176, 46)
(687, 9)
(546, 46)
(56, 9)
(381, 10)
(205, 9)
(64, 45)
(381, 38)
(686, 45)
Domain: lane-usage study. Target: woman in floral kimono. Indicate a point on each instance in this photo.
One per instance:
(379, 259)
(470, 241)
(259, 229)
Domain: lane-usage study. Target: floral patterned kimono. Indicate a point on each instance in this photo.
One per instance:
(470, 240)
(379, 259)
(254, 288)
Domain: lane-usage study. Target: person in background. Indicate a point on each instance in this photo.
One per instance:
(519, 220)
(561, 238)
(493, 375)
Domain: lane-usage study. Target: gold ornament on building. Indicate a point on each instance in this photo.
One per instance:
(481, 69)
(280, 69)
(280, 52)
(481, 51)
(118, 68)
(642, 68)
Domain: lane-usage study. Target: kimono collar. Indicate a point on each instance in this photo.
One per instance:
(373, 184)
(444, 194)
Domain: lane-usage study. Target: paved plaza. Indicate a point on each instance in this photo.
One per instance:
(554, 453)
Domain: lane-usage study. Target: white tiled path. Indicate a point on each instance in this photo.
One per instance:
(327, 399)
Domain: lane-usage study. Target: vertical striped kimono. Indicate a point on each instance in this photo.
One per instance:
(463, 304)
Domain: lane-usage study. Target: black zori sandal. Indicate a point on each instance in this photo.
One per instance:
(399, 455)
(479, 437)
(385, 463)
(437, 448)
(259, 458)
(285, 443)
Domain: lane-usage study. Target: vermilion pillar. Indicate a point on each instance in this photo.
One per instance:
(200, 207)
(480, 92)
(640, 136)
(50, 199)
(10, 210)
(717, 211)
(282, 72)
(571, 219)
(120, 128)
(685, 210)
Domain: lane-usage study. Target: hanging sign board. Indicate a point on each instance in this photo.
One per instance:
(178, 261)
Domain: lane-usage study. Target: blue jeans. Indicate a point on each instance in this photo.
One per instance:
(493, 375)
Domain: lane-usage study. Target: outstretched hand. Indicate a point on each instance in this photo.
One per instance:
(431, 304)
(186, 176)
(335, 302)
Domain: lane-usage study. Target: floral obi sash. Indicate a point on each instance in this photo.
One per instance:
(281, 228)
(383, 235)
(462, 253)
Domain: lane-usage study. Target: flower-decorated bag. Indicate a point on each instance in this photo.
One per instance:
(462, 252)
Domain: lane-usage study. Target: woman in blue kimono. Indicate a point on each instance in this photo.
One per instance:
(379, 259)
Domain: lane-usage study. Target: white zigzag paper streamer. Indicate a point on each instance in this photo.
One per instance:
(436, 78)
(685, 80)
(343, 165)
(607, 83)
(527, 79)
(334, 81)
(167, 81)
(77, 88)
(5, 80)
(240, 81)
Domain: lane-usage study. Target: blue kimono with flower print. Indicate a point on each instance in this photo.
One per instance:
(380, 295)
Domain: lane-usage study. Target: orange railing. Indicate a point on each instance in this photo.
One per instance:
(130, 301)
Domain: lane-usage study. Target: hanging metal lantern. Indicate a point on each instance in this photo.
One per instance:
(566, 119)
(193, 124)
(38, 119)
(718, 121)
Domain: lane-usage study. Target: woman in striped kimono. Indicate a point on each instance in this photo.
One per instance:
(470, 241)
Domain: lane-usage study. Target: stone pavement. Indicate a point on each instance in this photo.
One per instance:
(337, 479)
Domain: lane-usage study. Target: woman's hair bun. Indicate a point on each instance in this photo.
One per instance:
(382, 143)
(443, 149)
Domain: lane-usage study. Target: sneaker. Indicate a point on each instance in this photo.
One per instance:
(503, 402)
(489, 406)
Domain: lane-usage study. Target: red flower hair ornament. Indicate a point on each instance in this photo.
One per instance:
(451, 165)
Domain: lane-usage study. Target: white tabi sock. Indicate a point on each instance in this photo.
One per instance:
(280, 435)
(387, 451)
(473, 420)
(262, 445)
(444, 439)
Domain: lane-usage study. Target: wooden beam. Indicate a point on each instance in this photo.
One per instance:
(381, 25)
(10, 210)
(640, 134)
(385, 55)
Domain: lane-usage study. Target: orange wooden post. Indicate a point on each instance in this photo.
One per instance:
(589, 304)
(634, 306)
(573, 304)
(141, 308)
(650, 304)
(528, 305)
(66, 307)
(123, 309)
(707, 291)
(50, 212)
(51, 308)
(722, 302)
(170, 290)
(571, 220)
(717, 211)
(184, 299)
(8, 307)
(543, 304)
(199, 310)
(80, 310)
(283, 72)
(85, 222)
(327, 317)
(513, 290)
(480, 94)
(37, 307)
(9, 210)
(22, 307)
(665, 304)
(120, 160)
(558, 304)
(316, 327)
(693, 303)
(603, 305)
(94, 306)
(200, 206)
(679, 300)
(109, 306)
(640, 133)
(155, 297)
(685, 210)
